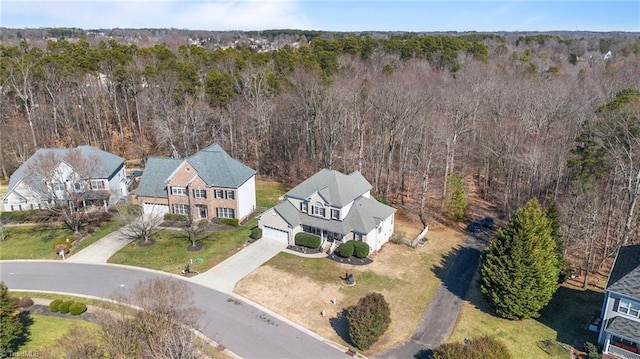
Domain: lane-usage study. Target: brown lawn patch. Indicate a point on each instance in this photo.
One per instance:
(301, 288)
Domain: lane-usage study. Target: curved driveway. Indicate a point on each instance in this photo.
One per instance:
(240, 327)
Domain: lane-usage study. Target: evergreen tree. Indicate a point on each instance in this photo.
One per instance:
(519, 271)
(368, 320)
(11, 328)
(554, 222)
(454, 202)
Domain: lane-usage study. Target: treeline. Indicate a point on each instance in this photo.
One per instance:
(407, 111)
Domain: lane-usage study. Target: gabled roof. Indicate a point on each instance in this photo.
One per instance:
(625, 275)
(336, 188)
(157, 170)
(217, 168)
(366, 214)
(107, 163)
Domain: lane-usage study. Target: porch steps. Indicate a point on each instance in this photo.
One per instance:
(326, 247)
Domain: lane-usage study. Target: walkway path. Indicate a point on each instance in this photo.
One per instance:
(441, 313)
(100, 251)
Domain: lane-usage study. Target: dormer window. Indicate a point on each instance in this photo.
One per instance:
(335, 214)
(318, 209)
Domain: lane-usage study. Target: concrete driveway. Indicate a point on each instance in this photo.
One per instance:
(225, 275)
(100, 251)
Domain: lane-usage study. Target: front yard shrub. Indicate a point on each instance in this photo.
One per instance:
(64, 307)
(77, 308)
(484, 347)
(25, 302)
(67, 240)
(233, 222)
(360, 249)
(307, 240)
(368, 320)
(592, 351)
(256, 233)
(175, 217)
(346, 249)
(54, 306)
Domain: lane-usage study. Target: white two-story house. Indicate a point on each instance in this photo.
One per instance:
(334, 206)
(620, 326)
(54, 176)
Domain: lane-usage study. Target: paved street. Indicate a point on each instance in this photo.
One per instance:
(245, 330)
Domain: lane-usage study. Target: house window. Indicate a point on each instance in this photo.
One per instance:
(335, 214)
(178, 191)
(202, 211)
(199, 193)
(357, 237)
(219, 193)
(225, 212)
(318, 209)
(304, 206)
(77, 186)
(181, 209)
(97, 184)
(57, 186)
(229, 194)
(380, 229)
(629, 308)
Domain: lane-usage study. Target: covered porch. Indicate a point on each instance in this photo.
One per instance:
(622, 339)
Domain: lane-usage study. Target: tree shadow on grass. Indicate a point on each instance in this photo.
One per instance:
(25, 318)
(340, 324)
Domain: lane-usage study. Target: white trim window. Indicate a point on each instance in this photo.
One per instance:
(225, 212)
(335, 214)
(181, 209)
(629, 308)
(202, 210)
(77, 186)
(58, 186)
(318, 209)
(229, 194)
(304, 206)
(97, 184)
(218, 193)
(178, 191)
(199, 193)
(357, 237)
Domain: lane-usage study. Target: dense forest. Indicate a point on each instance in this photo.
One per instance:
(515, 116)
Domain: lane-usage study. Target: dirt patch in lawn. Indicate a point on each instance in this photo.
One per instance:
(301, 288)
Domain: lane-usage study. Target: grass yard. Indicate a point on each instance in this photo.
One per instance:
(562, 324)
(3, 191)
(48, 334)
(268, 192)
(105, 229)
(169, 252)
(301, 288)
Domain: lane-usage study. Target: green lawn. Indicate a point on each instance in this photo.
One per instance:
(561, 324)
(3, 190)
(33, 241)
(47, 334)
(169, 252)
(267, 193)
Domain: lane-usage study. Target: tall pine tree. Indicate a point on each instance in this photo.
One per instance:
(10, 325)
(519, 271)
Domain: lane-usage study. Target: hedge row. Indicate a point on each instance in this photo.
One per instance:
(353, 248)
(68, 306)
(175, 217)
(307, 240)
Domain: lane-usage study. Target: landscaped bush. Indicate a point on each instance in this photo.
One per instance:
(233, 222)
(360, 249)
(54, 306)
(484, 347)
(64, 307)
(25, 302)
(17, 216)
(368, 320)
(77, 308)
(397, 238)
(307, 240)
(592, 351)
(256, 233)
(175, 217)
(346, 249)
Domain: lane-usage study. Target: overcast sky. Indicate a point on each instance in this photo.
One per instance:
(359, 15)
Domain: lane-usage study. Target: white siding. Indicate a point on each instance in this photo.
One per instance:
(117, 186)
(376, 239)
(246, 198)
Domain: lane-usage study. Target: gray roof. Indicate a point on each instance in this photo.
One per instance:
(366, 214)
(219, 169)
(625, 275)
(157, 170)
(336, 188)
(624, 327)
(213, 165)
(107, 163)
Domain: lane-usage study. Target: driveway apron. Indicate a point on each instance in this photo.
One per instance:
(100, 251)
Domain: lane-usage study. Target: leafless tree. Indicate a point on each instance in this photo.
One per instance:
(139, 225)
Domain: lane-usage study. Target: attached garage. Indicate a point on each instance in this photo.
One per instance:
(275, 233)
(155, 208)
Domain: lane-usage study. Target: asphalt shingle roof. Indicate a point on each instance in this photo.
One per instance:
(336, 188)
(157, 170)
(625, 275)
(624, 327)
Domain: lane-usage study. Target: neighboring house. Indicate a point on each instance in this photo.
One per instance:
(208, 184)
(85, 175)
(334, 206)
(620, 326)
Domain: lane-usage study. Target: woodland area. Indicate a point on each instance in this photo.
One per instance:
(515, 116)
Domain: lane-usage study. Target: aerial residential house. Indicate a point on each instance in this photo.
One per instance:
(620, 325)
(84, 175)
(334, 206)
(208, 184)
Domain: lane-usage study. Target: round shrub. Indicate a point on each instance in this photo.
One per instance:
(483, 347)
(307, 240)
(77, 308)
(360, 249)
(25, 302)
(64, 307)
(256, 233)
(346, 249)
(54, 306)
(368, 320)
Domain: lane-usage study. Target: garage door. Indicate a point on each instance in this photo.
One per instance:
(275, 233)
(156, 208)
